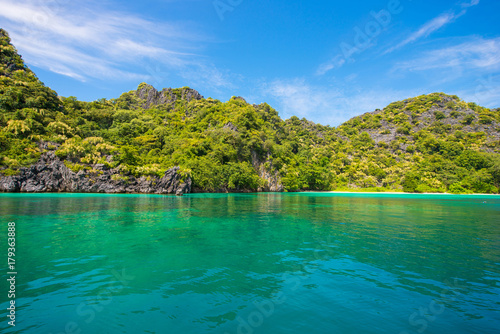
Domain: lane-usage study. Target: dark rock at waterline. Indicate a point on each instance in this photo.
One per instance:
(50, 174)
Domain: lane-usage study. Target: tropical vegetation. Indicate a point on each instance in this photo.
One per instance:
(430, 143)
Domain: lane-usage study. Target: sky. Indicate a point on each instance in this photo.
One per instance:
(326, 61)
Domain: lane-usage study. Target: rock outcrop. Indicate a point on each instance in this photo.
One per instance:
(150, 97)
(50, 174)
(269, 175)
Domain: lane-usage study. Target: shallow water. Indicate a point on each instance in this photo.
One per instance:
(254, 263)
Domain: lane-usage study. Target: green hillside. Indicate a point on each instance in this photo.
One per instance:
(430, 143)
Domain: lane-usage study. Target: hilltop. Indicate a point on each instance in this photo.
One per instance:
(429, 143)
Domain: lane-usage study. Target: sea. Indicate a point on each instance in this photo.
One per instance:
(250, 263)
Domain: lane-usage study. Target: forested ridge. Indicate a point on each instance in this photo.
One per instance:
(429, 143)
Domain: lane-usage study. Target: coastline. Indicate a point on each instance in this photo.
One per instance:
(395, 193)
(339, 192)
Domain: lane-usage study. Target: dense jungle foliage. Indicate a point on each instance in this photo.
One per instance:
(430, 143)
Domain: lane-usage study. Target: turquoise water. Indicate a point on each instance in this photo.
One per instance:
(253, 263)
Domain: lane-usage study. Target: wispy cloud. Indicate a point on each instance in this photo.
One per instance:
(91, 41)
(330, 105)
(336, 62)
(433, 25)
(469, 4)
(485, 91)
(425, 30)
(476, 55)
(298, 98)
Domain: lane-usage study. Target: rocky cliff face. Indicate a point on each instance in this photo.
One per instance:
(270, 175)
(50, 174)
(150, 97)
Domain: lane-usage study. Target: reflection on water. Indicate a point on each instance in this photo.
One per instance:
(255, 263)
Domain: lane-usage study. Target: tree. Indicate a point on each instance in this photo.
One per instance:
(410, 182)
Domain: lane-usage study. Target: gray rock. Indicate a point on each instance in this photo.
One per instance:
(9, 184)
(50, 174)
(151, 97)
(270, 175)
(230, 126)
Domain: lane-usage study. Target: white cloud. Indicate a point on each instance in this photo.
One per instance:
(208, 76)
(337, 62)
(485, 91)
(470, 3)
(331, 106)
(69, 61)
(433, 25)
(478, 54)
(297, 98)
(425, 30)
(91, 41)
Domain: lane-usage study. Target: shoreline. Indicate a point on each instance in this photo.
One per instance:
(248, 193)
(403, 193)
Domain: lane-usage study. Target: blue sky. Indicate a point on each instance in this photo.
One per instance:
(324, 60)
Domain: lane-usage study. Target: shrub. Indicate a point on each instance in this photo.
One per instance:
(424, 188)
(485, 119)
(456, 188)
(60, 128)
(151, 170)
(439, 115)
(451, 105)
(9, 172)
(410, 183)
(468, 119)
(18, 127)
(404, 129)
(74, 167)
(118, 177)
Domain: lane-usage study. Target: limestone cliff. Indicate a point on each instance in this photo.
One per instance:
(50, 174)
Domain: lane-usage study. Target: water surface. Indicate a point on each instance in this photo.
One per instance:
(254, 263)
